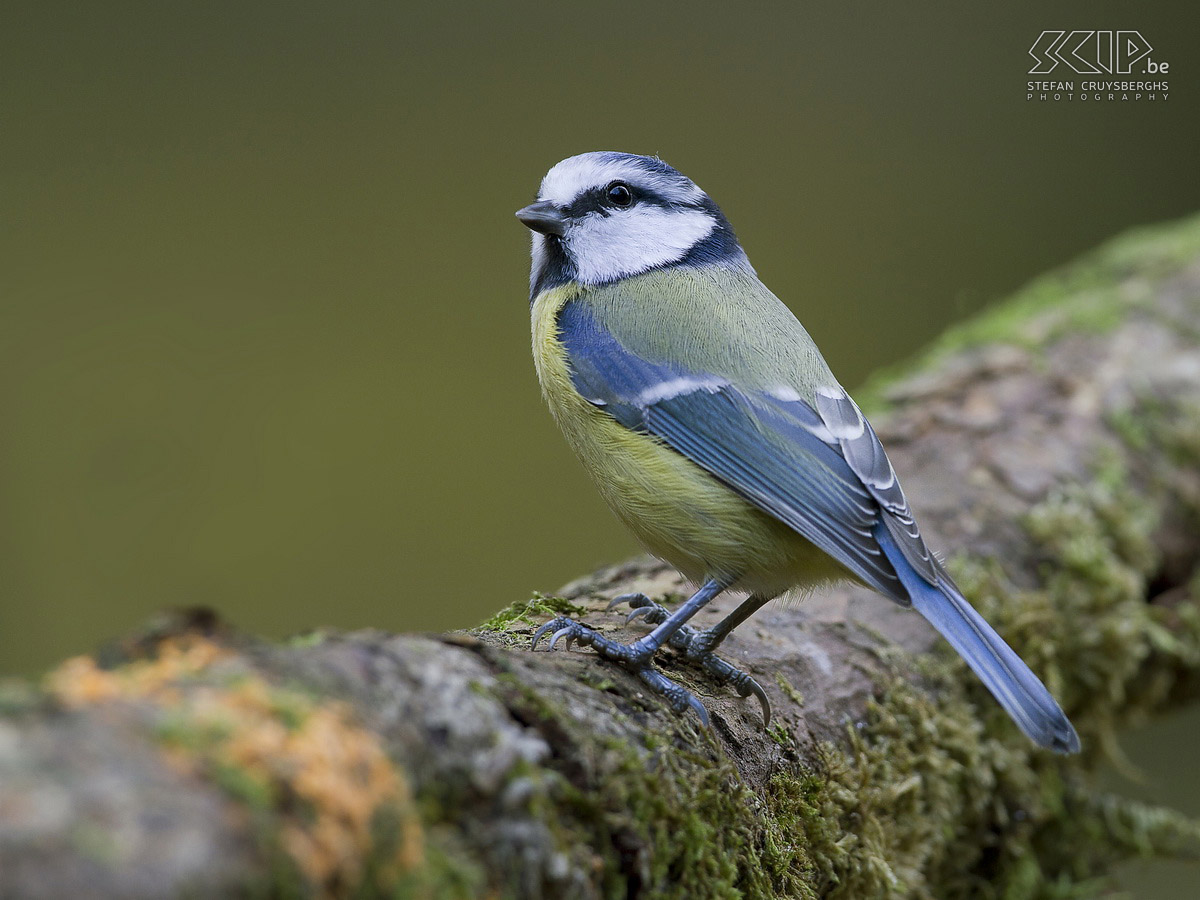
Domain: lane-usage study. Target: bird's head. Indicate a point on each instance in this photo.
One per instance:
(604, 216)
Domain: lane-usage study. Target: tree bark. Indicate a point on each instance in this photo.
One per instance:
(1049, 447)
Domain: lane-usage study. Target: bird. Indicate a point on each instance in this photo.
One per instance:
(715, 431)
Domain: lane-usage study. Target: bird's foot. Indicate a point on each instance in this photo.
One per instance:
(635, 657)
(698, 646)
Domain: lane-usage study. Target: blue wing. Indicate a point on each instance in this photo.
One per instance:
(777, 453)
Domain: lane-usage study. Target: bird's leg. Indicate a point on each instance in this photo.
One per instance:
(636, 656)
(699, 646)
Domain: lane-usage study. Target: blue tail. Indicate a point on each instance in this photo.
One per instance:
(1011, 682)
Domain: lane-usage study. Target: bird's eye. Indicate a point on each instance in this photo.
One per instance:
(619, 195)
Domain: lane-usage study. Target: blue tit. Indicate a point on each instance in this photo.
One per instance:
(714, 429)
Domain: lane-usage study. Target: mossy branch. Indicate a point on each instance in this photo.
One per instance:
(1052, 443)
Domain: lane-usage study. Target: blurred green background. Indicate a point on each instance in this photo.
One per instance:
(263, 312)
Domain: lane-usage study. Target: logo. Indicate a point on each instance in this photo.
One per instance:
(1122, 56)
(1093, 53)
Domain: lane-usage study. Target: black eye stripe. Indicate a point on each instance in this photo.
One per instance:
(596, 200)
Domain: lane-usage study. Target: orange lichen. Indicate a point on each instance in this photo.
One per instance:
(323, 780)
(79, 681)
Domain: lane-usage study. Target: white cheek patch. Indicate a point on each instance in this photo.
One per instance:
(621, 244)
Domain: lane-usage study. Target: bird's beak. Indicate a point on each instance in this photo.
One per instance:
(543, 217)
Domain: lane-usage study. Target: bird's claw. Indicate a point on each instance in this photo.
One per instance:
(745, 686)
(654, 613)
(557, 625)
(636, 600)
(638, 611)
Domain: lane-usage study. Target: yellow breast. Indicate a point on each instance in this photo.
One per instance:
(675, 509)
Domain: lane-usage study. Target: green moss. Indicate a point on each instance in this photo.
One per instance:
(282, 879)
(1177, 430)
(925, 797)
(664, 819)
(789, 689)
(908, 802)
(291, 707)
(779, 733)
(253, 790)
(534, 706)
(1131, 426)
(1145, 830)
(530, 612)
(704, 834)
(445, 876)
(314, 638)
(180, 729)
(597, 680)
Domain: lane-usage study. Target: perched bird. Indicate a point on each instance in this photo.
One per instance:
(715, 431)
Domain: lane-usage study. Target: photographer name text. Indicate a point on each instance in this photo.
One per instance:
(1104, 91)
